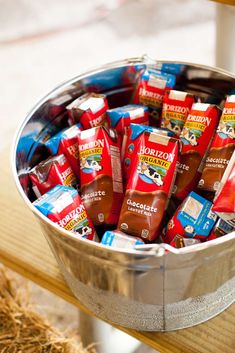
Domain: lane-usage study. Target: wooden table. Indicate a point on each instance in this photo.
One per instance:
(24, 250)
(226, 2)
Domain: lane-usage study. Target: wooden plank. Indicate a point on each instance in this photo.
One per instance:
(226, 2)
(24, 249)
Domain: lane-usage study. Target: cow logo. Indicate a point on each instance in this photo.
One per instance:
(172, 125)
(83, 231)
(131, 148)
(154, 114)
(190, 136)
(170, 224)
(226, 130)
(189, 230)
(90, 164)
(127, 162)
(151, 174)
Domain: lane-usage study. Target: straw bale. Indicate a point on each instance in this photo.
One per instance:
(22, 330)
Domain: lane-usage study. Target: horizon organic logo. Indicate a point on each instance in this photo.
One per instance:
(93, 144)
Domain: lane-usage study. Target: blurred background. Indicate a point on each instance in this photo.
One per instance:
(43, 43)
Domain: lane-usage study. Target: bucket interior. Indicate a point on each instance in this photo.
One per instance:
(117, 82)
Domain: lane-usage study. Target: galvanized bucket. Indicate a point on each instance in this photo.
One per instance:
(151, 289)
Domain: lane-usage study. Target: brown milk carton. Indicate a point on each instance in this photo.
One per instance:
(221, 149)
(100, 174)
(149, 186)
(196, 137)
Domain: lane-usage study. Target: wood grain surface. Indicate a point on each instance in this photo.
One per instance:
(226, 2)
(24, 249)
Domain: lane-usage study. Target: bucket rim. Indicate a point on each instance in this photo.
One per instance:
(150, 249)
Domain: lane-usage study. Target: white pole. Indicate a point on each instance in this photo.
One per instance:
(225, 37)
(107, 339)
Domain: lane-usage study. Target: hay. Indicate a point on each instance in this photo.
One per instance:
(22, 330)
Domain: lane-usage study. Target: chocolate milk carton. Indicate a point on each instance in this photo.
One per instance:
(175, 109)
(224, 202)
(130, 145)
(63, 205)
(150, 89)
(66, 142)
(88, 109)
(149, 186)
(221, 149)
(193, 219)
(120, 118)
(118, 239)
(51, 172)
(195, 137)
(101, 175)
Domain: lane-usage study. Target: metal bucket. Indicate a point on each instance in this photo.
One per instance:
(151, 289)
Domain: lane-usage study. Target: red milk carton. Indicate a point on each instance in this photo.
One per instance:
(151, 86)
(49, 173)
(63, 206)
(180, 242)
(88, 109)
(66, 142)
(221, 149)
(101, 175)
(196, 136)
(175, 109)
(130, 144)
(117, 239)
(149, 186)
(224, 203)
(121, 117)
(193, 219)
(220, 229)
